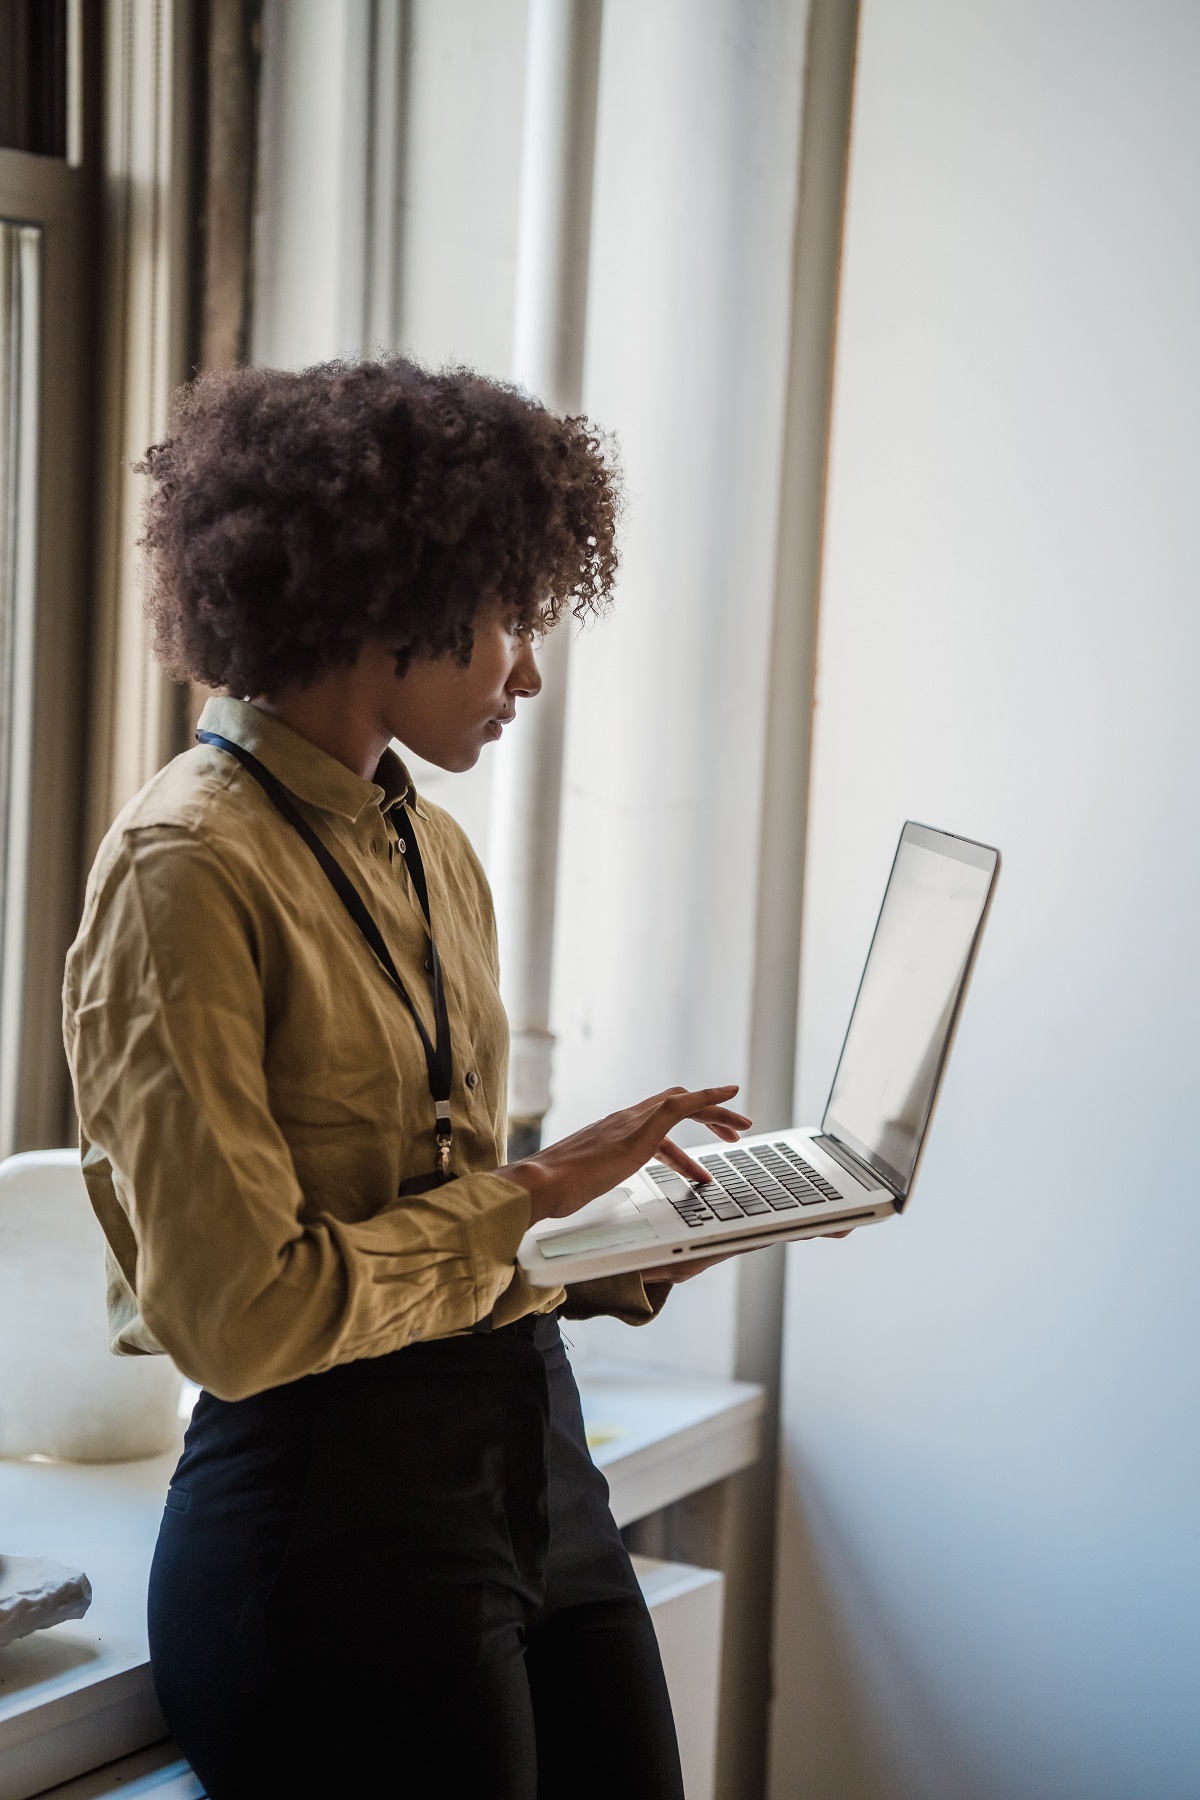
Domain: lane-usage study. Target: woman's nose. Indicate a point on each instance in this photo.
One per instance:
(526, 678)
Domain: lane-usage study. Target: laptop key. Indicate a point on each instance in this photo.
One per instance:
(818, 1180)
(801, 1190)
(717, 1165)
(672, 1185)
(764, 1185)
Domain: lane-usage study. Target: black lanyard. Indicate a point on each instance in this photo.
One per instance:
(438, 1060)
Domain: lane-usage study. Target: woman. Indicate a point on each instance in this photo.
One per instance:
(386, 1562)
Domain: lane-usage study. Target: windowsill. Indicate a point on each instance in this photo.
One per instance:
(659, 1437)
(80, 1694)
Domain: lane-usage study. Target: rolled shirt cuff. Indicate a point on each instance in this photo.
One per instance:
(494, 1235)
(625, 1297)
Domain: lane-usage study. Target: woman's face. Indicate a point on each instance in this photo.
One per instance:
(447, 713)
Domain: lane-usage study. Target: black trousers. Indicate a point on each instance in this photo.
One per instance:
(402, 1577)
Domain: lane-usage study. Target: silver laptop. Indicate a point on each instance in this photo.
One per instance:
(860, 1164)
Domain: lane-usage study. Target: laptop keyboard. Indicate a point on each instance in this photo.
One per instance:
(745, 1184)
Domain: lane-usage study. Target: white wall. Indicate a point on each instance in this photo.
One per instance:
(991, 1575)
(312, 191)
(389, 173)
(688, 327)
(460, 176)
(686, 362)
(464, 92)
(407, 107)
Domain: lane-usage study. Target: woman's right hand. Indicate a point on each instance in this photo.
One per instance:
(565, 1176)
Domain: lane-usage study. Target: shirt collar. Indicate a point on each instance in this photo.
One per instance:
(311, 774)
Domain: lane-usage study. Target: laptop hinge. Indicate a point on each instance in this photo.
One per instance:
(854, 1165)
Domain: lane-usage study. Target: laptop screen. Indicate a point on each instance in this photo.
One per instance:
(900, 1028)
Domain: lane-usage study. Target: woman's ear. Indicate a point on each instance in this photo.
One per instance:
(402, 655)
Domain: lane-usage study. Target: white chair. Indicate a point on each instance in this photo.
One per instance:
(62, 1394)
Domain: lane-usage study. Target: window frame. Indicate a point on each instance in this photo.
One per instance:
(47, 192)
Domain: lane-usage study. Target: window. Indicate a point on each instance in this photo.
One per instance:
(34, 55)
(45, 440)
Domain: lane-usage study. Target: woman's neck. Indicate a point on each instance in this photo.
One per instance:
(337, 716)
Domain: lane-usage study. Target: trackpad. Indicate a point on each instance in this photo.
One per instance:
(614, 1234)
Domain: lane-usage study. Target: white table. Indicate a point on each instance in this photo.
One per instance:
(80, 1695)
(659, 1437)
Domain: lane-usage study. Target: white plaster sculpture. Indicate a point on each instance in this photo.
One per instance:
(36, 1593)
(62, 1394)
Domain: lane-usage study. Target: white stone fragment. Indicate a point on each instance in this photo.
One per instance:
(62, 1393)
(36, 1593)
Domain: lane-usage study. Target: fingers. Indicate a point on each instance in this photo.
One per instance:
(696, 1099)
(704, 1105)
(720, 1120)
(681, 1162)
(686, 1103)
(723, 1122)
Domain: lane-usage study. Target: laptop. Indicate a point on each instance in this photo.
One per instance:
(859, 1165)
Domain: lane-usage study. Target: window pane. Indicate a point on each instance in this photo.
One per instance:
(33, 76)
(20, 272)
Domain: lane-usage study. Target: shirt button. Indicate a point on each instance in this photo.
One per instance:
(429, 969)
(472, 1079)
(401, 845)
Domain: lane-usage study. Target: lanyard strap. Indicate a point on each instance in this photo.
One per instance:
(438, 1060)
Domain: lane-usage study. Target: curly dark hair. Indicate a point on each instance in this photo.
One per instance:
(292, 516)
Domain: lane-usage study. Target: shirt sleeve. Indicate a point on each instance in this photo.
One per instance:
(625, 1297)
(237, 1279)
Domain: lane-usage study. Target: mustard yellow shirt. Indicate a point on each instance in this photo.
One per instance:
(252, 1092)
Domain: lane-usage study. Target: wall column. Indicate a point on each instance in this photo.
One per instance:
(550, 318)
